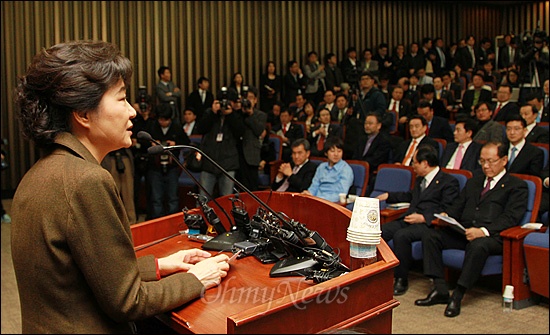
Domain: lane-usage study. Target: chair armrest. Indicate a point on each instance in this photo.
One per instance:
(517, 233)
(388, 215)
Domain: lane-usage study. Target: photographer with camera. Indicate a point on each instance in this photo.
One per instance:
(220, 128)
(163, 172)
(249, 145)
(533, 63)
(141, 122)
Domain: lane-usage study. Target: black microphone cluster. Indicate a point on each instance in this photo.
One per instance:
(270, 236)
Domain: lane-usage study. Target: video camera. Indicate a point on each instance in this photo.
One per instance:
(528, 39)
(224, 98)
(245, 103)
(143, 98)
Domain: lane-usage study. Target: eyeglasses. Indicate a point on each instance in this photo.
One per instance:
(514, 128)
(490, 162)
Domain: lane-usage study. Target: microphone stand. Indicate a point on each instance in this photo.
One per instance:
(143, 135)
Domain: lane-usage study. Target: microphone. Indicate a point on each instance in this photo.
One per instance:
(154, 150)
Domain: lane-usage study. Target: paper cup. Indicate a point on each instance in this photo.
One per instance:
(508, 292)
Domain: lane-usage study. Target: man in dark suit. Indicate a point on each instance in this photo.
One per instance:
(249, 145)
(434, 191)
(489, 203)
(329, 103)
(474, 95)
(402, 107)
(523, 157)
(289, 132)
(503, 107)
(373, 147)
(467, 56)
(294, 82)
(467, 157)
(534, 133)
(321, 132)
(201, 98)
(438, 127)
(296, 176)
(403, 154)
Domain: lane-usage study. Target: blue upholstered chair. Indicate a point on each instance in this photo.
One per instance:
(392, 178)
(360, 178)
(535, 246)
(264, 179)
(454, 258)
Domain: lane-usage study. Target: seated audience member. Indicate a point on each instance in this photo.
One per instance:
(489, 203)
(540, 101)
(417, 128)
(463, 153)
(321, 132)
(444, 95)
(475, 95)
(273, 114)
(328, 102)
(373, 147)
(504, 107)
(289, 132)
(402, 107)
(427, 92)
(523, 157)
(308, 117)
(296, 176)
(189, 121)
(438, 127)
(487, 129)
(334, 176)
(297, 108)
(434, 191)
(534, 133)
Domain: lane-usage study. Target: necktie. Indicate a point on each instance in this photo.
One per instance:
(203, 96)
(439, 95)
(285, 184)
(409, 153)
(427, 129)
(394, 107)
(487, 186)
(458, 158)
(423, 185)
(497, 110)
(321, 141)
(367, 146)
(284, 129)
(512, 156)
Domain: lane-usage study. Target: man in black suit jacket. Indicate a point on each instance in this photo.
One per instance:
(534, 133)
(289, 132)
(468, 99)
(527, 158)
(297, 175)
(438, 127)
(373, 147)
(195, 98)
(503, 107)
(294, 82)
(465, 130)
(434, 191)
(502, 205)
(324, 128)
(427, 92)
(402, 106)
(417, 130)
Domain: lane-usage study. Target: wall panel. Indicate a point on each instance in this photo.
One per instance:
(217, 38)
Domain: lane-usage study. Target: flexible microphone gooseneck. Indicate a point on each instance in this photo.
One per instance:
(154, 150)
(159, 148)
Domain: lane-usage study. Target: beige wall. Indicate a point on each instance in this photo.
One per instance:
(218, 38)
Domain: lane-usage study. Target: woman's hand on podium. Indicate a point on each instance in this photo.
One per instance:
(182, 260)
(211, 271)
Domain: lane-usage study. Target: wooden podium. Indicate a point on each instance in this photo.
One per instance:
(249, 301)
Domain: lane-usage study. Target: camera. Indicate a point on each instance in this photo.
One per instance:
(246, 104)
(143, 98)
(224, 98)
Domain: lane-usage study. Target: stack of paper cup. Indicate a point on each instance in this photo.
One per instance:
(364, 229)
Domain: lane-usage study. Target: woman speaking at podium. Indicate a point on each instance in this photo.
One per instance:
(72, 249)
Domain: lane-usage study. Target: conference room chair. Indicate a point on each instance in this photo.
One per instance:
(360, 178)
(544, 147)
(442, 144)
(505, 264)
(392, 178)
(266, 179)
(535, 246)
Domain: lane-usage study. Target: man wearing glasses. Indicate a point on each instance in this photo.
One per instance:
(523, 157)
(489, 203)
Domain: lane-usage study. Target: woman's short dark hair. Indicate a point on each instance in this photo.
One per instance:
(67, 77)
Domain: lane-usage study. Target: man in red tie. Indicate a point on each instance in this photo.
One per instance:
(504, 107)
(321, 132)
